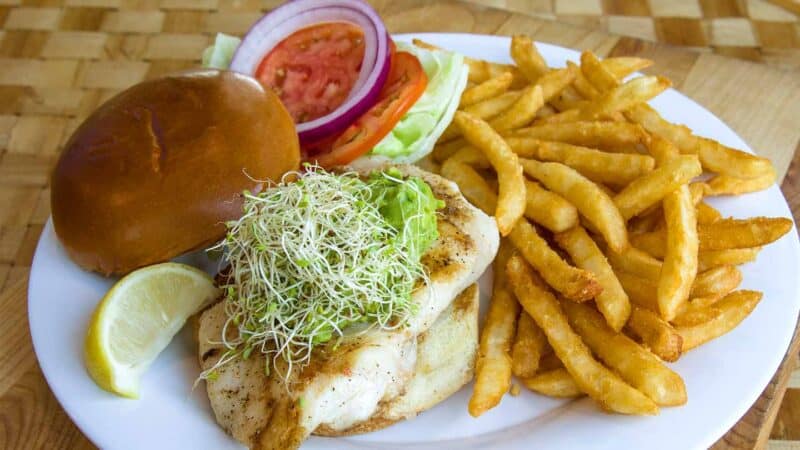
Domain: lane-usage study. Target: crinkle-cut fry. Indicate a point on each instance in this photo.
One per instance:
(472, 185)
(649, 189)
(716, 282)
(680, 259)
(511, 198)
(636, 262)
(728, 185)
(528, 347)
(549, 209)
(641, 291)
(732, 310)
(592, 202)
(709, 259)
(612, 301)
(714, 156)
(581, 84)
(634, 364)
(724, 234)
(655, 333)
(488, 89)
(707, 213)
(556, 383)
(616, 137)
(493, 365)
(596, 165)
(573, 283)
(596, 380)
(527, 57)
(521, 112)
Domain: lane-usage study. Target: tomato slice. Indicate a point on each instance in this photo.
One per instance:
(314, 69)
(404, 86)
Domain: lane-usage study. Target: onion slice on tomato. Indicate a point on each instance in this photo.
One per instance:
(276, 26)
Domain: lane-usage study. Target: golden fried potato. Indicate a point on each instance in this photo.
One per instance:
(641, 291)
(553, 383)
(716, 282)
(635, 262)
(493, 366)
(723, 234)
(521, 112)
(680, 258)
(658, 335)
(592, 202)
(529, 344)
(646, 191)
(728, 185)
(527, 57)
(573, 283)
(706, 213)
(617, 137)
(596, 165)
(549, 209)
(732, 310)
(637, 366)
(471, 184)
(713, 258)
(511, 199)
(592, 377)
(612, 301)
(488, 89)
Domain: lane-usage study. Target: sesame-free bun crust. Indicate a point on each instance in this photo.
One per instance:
(157, 170)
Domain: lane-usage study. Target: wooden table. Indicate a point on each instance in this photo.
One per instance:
(59, 60)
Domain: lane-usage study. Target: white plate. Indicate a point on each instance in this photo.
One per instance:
(723, 378)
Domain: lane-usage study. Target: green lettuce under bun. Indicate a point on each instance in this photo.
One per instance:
(219, 54)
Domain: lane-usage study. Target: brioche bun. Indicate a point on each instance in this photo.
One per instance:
(157, 170)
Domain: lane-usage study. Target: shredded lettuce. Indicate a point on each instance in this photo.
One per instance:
(419, 129)
(219, 55)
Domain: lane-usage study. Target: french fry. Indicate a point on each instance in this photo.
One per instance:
(635, 365)
(582, 85)
(573, 283)
(600, 75)
(493, 365)
(706, 213)
(620, 98)
(549, 360)
(521, 112)
(725, 234)
(652, 242)
(549, 209)
(635, 262)
(641, 291)
(511, 199)
(612, 301)
(692, 316)
(528, 347)
(445, 150)
(654, 186)
(714, 156)
(486, 90)
(553, 383)
(716, 282)
(713, 258)
(622, 66)
(646, 221)
(472, 185)
(615, 137)
(728, 185)
(492, 107)
(527, 57)
(555, 81)
(658, 335)
(596, 165)
(480, 70)
(471, 156)
(592, 202)
(733, 308)
(592, 377)
(680, 259)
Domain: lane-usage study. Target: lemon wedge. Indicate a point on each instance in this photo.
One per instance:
(138, 318)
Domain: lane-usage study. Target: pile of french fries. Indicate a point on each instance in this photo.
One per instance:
(611, 261)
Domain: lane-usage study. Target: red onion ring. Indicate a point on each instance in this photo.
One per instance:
(274, 27)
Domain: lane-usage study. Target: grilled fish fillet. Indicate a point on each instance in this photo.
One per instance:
(341, 389)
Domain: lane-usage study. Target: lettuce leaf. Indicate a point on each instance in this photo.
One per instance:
(219, 54)
(419, 129)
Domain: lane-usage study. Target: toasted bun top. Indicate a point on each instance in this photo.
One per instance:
(157, 170)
